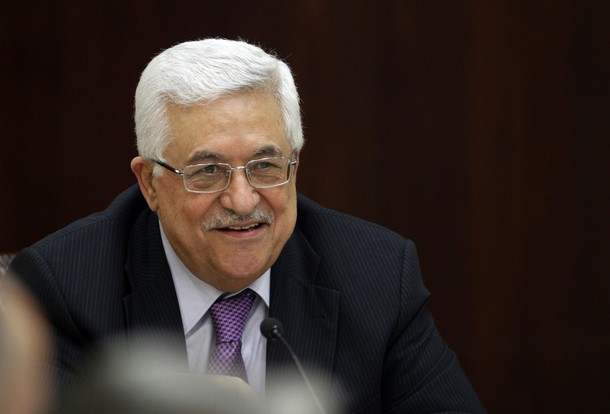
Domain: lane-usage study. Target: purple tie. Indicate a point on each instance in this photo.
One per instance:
(229, 318)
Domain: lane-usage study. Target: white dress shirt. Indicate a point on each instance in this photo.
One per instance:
(195, 298)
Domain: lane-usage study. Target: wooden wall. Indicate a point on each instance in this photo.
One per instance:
(478, 128)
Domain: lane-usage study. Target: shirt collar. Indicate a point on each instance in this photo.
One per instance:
(195, 296)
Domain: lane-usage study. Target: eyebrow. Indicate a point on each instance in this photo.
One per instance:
(269, 150)
(203, 156)
(207, 156)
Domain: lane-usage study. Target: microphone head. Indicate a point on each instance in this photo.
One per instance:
(271, 328)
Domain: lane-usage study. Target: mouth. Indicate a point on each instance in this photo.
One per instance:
(242, 228)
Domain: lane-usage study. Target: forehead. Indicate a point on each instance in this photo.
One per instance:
(244, 124)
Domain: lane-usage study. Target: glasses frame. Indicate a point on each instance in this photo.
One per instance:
(230, 170)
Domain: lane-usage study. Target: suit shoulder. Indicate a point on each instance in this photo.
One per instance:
(115, 218)
(314, 220)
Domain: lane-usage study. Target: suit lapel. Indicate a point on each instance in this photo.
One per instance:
(152, 306)
(308, 312)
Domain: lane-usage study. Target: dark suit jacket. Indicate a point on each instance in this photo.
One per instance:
(348, 292)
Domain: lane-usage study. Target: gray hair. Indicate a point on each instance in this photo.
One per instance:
(200, 71)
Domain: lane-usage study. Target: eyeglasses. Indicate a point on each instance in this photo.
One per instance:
(214, 177)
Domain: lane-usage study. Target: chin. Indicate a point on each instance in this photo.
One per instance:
(244, 272)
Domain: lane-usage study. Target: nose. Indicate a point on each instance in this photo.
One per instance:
(240, 196)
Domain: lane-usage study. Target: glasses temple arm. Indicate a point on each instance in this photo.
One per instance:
(168, 167)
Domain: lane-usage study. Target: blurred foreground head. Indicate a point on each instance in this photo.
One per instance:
(24, 352)
(144, 379)
(141, 378)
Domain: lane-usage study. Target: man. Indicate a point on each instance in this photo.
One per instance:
(219, 137)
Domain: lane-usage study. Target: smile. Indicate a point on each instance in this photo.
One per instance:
(245, 228)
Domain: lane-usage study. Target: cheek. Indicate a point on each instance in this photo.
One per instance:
(180, 209)
(196, 210)
(285, 212)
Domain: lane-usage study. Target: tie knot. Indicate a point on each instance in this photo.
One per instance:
(229, 315)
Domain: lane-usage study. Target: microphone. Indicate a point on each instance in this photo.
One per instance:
(272, 329)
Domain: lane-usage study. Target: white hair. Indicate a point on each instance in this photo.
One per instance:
(195, 72)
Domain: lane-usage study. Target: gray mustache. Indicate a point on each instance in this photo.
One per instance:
(231, 219)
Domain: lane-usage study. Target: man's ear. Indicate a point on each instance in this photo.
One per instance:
(143, 171)
(296, 167)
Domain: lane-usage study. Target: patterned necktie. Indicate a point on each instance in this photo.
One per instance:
(229, 318)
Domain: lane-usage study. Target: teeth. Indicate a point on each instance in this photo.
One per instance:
(244, 228)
